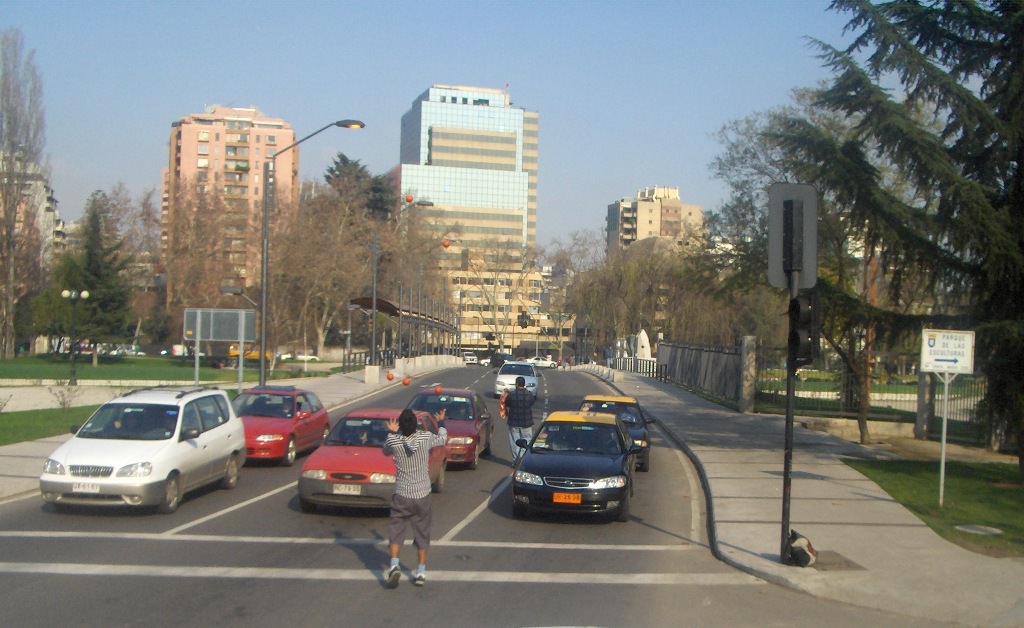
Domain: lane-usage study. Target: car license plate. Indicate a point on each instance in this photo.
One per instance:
(346, 489)
(85, 487)
(567, 498)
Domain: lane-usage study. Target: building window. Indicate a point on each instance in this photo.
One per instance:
(203, 149)
(202, 162)
(271, 139)
(204, 136)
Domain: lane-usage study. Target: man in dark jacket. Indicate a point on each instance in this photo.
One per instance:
(519, 414)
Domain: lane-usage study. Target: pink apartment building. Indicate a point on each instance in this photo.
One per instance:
(226, 147)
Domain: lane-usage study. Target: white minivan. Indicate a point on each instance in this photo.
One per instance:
(468, 357)
(148, 448)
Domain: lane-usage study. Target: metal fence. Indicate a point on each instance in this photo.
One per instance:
(897, 393)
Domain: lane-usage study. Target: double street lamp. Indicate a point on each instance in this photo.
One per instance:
(268, 196)
(74, 296)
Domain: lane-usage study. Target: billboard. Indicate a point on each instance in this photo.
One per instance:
(219, 325)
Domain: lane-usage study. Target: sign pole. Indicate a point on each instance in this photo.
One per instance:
(946, 353)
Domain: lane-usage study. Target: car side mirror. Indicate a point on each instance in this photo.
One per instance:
(302, 414)
(522, 443)
(635, 449)
(189, 433)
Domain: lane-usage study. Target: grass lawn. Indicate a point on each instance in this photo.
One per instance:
(975, 494)
(17, 427)
(114, 368)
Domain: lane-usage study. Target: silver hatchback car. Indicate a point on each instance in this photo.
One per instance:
(148, 448)
(509, 371)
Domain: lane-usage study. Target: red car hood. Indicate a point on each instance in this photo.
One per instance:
(256, 425)
(348, 458)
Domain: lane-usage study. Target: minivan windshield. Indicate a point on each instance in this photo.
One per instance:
(122, 421)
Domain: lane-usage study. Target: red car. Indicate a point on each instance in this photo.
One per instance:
(281, 421)
(351, 468)
(469, 424)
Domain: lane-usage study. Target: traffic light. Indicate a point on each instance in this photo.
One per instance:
(803, 333)
(524, 320)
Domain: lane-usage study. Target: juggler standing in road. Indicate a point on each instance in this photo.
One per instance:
(410, 503)
(519, 416)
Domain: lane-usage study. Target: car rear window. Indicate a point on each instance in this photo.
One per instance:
(456, 408)
(516, 369)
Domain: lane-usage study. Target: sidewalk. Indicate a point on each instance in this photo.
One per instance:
(872, 552)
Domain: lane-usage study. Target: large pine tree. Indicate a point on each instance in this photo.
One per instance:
(961, 212)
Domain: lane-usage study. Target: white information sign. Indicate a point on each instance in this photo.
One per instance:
(947, 351)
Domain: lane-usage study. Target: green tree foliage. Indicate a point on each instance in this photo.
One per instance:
(104, 316)
(958, 217)
(98, 267)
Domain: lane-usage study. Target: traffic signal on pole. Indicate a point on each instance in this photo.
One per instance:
(803, 334)
(524, 320)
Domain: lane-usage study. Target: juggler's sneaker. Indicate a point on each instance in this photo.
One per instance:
(392, 575)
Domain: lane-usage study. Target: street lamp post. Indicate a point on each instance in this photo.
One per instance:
(348, 340)
(375, 251)
(268, 195)
(75, 296)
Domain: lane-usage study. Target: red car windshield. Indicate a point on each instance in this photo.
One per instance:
(355, 432)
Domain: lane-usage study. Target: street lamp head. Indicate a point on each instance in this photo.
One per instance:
(230, 290)
(66, 294)
(350, 124)
(74, 294)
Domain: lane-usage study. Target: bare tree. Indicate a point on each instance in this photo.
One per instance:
(22, 137)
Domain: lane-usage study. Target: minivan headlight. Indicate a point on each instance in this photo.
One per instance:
(53, 467)
(135, 470)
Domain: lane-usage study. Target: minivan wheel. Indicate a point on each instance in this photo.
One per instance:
(172, 495)
(230, 479)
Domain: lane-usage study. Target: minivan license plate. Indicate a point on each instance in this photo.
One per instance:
(85, 487)
(346, 489)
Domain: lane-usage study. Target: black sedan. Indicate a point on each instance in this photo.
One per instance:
(577, 462)
(629, 412)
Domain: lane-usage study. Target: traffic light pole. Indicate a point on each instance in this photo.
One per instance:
(787, 460)
(792, 264)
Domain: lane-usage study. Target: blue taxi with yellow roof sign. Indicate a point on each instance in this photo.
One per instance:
(577, 462)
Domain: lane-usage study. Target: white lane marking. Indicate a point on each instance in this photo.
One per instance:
(221, 513)
(305, 573)
(301, 540)
(476, 511)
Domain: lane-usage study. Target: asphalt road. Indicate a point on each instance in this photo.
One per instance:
(250, 557)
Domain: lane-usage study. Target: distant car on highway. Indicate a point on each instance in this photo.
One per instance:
(542, 361)
(496, 359)
(301, 357)
(509, 371)
(469, 357)
(281, 421)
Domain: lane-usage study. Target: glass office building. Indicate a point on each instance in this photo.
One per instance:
(469, 159)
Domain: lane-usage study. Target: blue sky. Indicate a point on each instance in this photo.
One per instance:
(629, 93)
